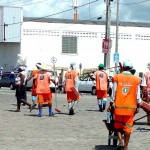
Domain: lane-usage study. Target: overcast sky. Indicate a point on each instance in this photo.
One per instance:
(130, 10)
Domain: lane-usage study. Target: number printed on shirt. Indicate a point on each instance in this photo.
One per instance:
(41, 77)
(101, 75)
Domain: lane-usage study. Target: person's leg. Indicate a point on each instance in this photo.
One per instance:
(100, 104)
(18, 105)
(74, 103)
(25, 102)
(104, 103)
(126, 139)
(119, 134)
(40, 110)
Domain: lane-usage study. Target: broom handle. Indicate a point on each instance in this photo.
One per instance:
(55, 86)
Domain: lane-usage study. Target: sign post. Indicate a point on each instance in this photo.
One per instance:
(80, 67)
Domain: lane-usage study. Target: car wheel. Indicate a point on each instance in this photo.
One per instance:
(11, 86)
(93, 91)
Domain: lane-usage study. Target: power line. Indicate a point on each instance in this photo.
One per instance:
(55, 13)
(134, 3)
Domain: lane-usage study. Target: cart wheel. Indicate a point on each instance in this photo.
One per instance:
(115, 141)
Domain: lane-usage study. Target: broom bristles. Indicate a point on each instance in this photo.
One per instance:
(57, 110)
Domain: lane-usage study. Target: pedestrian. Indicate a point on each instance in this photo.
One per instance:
(44, 94)
(33, 91)
(1, 72)
(21, 88)
(125, 103)
(145, 84)
(60, 82)
(102, 86)
(71, 88)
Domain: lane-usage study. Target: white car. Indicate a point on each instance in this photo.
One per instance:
(87, 85)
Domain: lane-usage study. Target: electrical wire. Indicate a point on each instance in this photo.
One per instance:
(38, 18)
(135, 3)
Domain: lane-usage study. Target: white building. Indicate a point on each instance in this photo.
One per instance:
(44, 38)
(79, 42)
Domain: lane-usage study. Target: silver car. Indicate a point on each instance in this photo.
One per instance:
(87, 85)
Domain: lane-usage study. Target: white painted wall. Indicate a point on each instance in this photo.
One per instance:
(40, 48)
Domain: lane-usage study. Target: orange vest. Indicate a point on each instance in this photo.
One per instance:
(125, 100)
(34, 82)
(70, 79)
(101, 80)
(43, 81)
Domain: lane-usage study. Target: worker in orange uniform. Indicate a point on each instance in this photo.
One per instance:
(71, 81)
(44, 94)
(125, 101)
(145, 84)
(102, 84)
(34, 95)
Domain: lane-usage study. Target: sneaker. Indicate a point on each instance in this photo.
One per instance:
(32, 107)
(52, 114)
(39, 115)
(71, 112)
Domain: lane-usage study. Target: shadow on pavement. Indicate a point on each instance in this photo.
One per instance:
(143, 129)
(104, 147)
(91, 110)
(140, 123)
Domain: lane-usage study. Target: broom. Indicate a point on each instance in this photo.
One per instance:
(56, 109)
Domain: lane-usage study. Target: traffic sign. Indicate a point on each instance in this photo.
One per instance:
(53, 60)
(116, 57)
(105, 45)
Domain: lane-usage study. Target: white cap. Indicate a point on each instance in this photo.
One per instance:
(127, 63)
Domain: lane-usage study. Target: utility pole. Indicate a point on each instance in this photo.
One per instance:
(75, 7)
(117, 30)
(107, 33)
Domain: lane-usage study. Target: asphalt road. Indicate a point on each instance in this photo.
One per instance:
(83, 131)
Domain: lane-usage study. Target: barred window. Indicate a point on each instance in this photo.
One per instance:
(69, 45)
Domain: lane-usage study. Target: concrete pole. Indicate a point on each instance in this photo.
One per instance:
(117, 30)
(107, 33)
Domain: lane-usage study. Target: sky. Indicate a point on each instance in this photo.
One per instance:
(129, 10)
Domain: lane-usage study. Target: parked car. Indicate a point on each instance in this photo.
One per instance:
(87, 85)
(8, 80)
(52, 86)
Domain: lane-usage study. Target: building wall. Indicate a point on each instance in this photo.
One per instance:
(41, 41)
(8, 55)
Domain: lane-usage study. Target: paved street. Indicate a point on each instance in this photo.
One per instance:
(83, 131)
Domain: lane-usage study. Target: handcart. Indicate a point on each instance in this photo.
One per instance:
(112, 134)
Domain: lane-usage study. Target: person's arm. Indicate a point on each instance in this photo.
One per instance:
(138, 99)
(76, 85)
(143, 85)
(112, 98)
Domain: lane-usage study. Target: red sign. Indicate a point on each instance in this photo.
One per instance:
(105, 45)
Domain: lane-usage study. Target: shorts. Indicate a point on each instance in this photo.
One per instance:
(101, 94)
(123, 122)
(44, 98)
(21, 94)
(71, 96)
